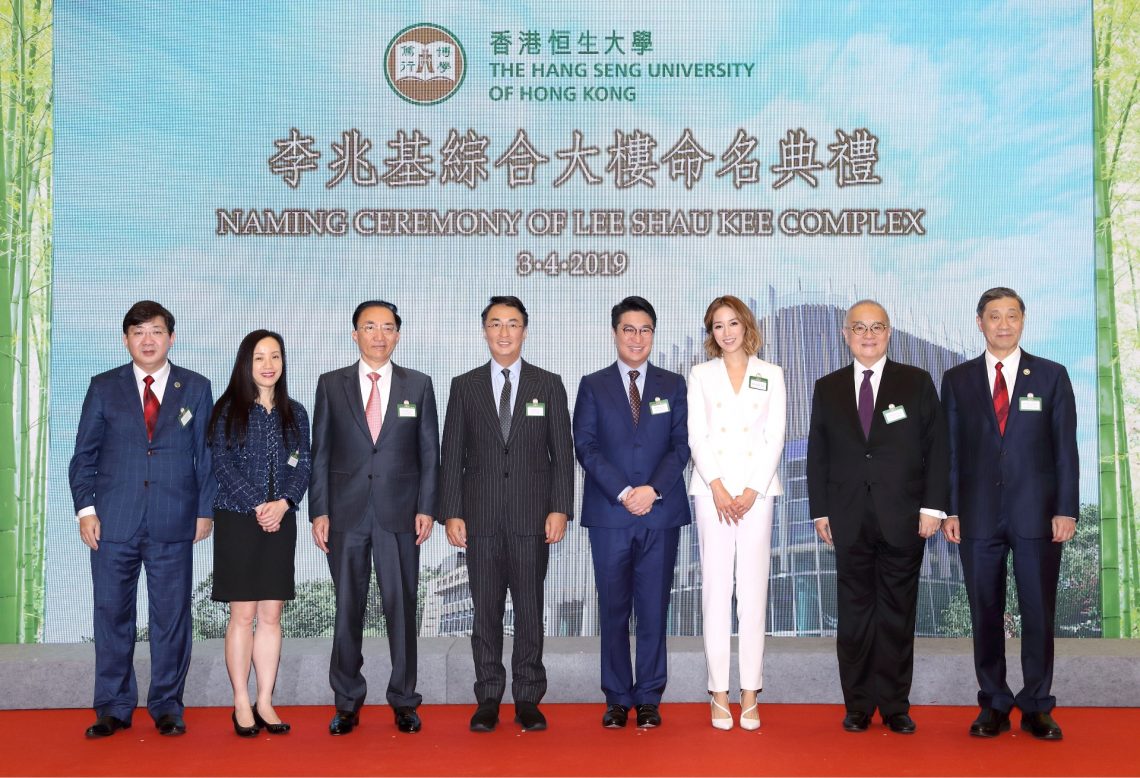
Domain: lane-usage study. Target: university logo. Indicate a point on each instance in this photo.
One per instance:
(425, 64)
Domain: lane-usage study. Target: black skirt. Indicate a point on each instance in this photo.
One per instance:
(252, 564)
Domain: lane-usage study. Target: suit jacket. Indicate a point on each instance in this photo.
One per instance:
(737, 438)
(900, 467)
(1030, 474)
(506, 487)
(615, 455)
(397, 476)
(167, 481)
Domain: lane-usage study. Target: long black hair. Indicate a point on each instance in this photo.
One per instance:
(242, 393)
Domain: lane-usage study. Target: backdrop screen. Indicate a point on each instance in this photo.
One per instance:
(272, 164)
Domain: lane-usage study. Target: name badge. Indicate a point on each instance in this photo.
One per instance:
(894, 413)
(184, 416)
(658, 406)
(1029, 403)
(758, 383)
(535, 408)
(406, 410)
(293, 459)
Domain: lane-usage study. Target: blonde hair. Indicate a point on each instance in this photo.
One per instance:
(752, 338)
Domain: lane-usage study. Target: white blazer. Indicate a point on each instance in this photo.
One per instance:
(738, 438)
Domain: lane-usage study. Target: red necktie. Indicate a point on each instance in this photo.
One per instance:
(150, 407)
(1001, 400)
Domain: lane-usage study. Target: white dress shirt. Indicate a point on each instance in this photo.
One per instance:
(1009, 367)
(497, 381)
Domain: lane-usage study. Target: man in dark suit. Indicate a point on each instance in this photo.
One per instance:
(144, 494)
(1013, 487)
(372, 496)
(877, 461)
(631, 436)
(507, 493)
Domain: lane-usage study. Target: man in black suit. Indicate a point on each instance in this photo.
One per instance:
(372, 496)
(507, 492)
(877, 486)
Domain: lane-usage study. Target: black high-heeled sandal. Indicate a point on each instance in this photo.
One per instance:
(281, 728)
(241, 731)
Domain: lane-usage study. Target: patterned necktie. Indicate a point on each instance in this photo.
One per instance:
(1001, 400)
(866, 403)
(150, 407)
(372, 410)
(634, 397)
(505, 405)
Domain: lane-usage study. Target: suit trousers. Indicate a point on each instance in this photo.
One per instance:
(396, 558)
(740, 554)
(1036, 567)
(877, 597)
(115, 569)
(497, 564)
(633, 571)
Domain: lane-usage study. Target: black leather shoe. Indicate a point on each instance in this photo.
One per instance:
(486, 717)
(900, 723)
(529, 717)
(241, 731)
(1041, 726)
(856, 721)
(648, 716)
(105, 726)
(343, 722)
(616, 716)
(280, 728)
(170, 724)
(990, 723)
(407, 720)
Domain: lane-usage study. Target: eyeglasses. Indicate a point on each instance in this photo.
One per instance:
(369, 329)
(510, 326)
(860, 329)
(630, 331)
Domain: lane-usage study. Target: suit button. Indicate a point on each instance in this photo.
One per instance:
(998, 483)
(718, 405)
(506, 451)
(1003, 453)
(369, 477)
(373, 451)
(150, 452)
(867, 455)
(722, 429)
(506, 474)
(146, 483)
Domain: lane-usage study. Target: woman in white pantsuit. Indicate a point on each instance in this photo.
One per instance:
(736, 432)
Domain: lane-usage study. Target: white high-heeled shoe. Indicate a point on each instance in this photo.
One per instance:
(748, 722)
(720, 723)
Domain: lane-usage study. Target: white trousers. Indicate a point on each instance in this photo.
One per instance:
(741, 554)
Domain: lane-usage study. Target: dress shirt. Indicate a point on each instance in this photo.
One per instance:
(876, 377)
(383, 386)
(244, 471)
(1009, 367)
(624, 369)
(160, 377)
(497, 381)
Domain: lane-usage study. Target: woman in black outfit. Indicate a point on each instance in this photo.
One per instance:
(260, 444)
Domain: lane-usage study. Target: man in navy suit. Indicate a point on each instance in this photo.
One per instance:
(144, 492)
(631, 437)
(1013, 488)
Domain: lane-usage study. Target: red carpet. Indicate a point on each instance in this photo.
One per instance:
(794, 740)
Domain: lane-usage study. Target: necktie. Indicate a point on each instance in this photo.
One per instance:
(634, 397)
(505, 405)
(150, 407)
(372, 410)
(866, 403)
(1001, 399)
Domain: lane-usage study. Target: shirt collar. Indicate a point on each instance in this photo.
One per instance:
(515, 368)
(384, 370)
(876, 368)
(159, 375)
(624, 368)
(1008, 363)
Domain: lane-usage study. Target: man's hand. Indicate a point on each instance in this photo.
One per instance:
(456, 532)
(321, 532)
(927, 525)
(1063, 528)
(556, 526)
(952, 529)
(90, 530)
(423, 527)
(823, 529)
(640, 500)
(269, 514)
(204, 528)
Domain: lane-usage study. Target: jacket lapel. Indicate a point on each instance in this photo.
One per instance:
(1022, 387)
(616, 384)
(171, 406)
(133, 401)
(485, 399)
(525, 393)
(351, 381)
(396, 395)
(980, 382)
(850, 406)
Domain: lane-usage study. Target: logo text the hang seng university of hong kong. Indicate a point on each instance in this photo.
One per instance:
(425, 64)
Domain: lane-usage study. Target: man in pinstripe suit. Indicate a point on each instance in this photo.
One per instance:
(507, 492)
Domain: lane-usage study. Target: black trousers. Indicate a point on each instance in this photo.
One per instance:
(497, 564)
(877, 588)
(396, 558)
